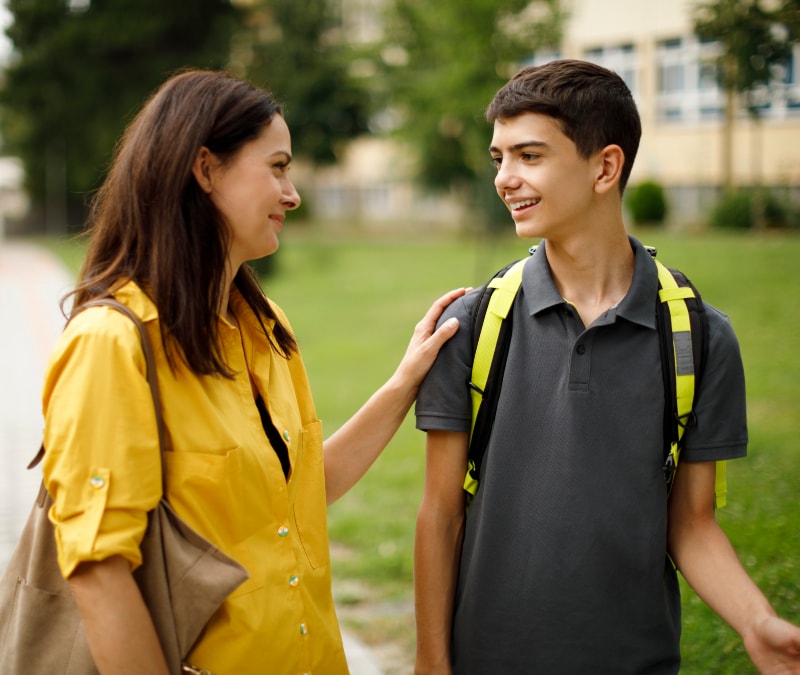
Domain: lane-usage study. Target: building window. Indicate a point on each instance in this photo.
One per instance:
(542, 56)
(791, 83)
(377, 201)
(619, 58)
(687, 80)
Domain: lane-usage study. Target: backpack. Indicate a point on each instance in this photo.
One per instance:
(681, 324)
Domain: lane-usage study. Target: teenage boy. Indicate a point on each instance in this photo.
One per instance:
(564, 562)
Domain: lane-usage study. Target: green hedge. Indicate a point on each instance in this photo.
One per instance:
(738, 211)
(647, 203)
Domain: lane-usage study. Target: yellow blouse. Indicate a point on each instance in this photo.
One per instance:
(102, 467)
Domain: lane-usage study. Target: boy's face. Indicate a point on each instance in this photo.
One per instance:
(546, 185)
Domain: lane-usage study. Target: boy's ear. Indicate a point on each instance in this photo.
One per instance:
(610, 161)
(202, 167)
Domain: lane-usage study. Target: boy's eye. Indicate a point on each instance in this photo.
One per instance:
(529, 156)
(496, 162)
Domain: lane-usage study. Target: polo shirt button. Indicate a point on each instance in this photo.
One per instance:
(294, 580)
(581, 349)
(283, 531)
(286, 436)
(96, 482)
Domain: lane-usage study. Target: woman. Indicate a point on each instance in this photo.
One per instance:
(200, 185)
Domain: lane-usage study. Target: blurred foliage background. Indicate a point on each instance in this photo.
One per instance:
(80, 69)
(416, 71)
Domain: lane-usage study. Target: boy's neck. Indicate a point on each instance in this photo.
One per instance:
(592, 272)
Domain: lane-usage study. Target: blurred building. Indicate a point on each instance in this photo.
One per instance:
(374, 186)
(670, 72)
(651, 44)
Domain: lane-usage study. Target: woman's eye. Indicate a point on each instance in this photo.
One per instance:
(496, 161)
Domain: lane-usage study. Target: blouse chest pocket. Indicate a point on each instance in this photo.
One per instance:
(310, 503)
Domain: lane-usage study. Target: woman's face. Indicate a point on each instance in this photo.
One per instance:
(252, 191)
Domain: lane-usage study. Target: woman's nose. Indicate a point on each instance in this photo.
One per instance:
(290, 198)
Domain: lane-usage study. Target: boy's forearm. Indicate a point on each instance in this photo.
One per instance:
(708, 562)
(436, 561)
(705, 556)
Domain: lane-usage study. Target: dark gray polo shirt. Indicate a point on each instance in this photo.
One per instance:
(564, 566)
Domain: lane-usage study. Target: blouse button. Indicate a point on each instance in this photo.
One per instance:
(286, 436)
(294, 580)
(96, 482)
(303, 629)
(283, 531)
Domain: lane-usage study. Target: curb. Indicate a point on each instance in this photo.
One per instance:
(359, 657)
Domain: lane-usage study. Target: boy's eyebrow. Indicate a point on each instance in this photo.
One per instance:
(521, 146)
(287, 155)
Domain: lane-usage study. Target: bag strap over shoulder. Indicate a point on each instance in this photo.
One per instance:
(682, 331)
(149, 357)
(150, 373)
(492, 326)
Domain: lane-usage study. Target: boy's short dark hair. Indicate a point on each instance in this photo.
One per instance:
(593, 106)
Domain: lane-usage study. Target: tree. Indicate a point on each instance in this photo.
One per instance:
(442, 64)
(751, 48)
(80, 70)
(788, 13)
(297, 50)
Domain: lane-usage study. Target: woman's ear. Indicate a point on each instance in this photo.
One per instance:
(611, 159)
(203, 165)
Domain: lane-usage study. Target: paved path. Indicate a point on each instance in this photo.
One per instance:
(32, 282)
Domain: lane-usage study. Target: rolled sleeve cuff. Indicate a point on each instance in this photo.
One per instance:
(96, 532)
(716, 453)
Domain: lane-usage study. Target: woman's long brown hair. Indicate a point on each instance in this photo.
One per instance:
(151, 223)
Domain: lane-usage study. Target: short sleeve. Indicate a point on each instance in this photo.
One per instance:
(443, 402)
(102, 460)
(720, 430)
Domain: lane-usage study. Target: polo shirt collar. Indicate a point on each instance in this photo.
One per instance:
(637, 306)
(538, 286)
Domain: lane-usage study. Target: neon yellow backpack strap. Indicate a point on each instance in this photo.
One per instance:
(675, 298)
(505, 290)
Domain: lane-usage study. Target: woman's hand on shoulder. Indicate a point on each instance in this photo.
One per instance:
(427, 340)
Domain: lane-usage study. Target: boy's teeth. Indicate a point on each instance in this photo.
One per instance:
(527, 202)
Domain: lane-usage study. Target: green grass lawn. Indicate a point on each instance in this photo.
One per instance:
(353, 305)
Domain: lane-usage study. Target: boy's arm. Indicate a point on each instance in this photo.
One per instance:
(706, 559)
(437, 548)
